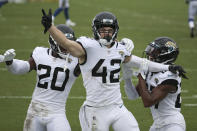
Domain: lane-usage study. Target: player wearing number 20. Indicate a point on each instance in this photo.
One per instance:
(56, 73)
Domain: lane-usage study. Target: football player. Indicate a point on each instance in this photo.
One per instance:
(100, 59)
(192, 13)
(63, 5)
(161, 91)
(3, 2)
(56, 72)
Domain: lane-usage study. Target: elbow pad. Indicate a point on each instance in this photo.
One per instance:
(19, 67)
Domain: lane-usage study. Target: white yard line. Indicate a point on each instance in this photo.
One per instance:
(190, 97)
(184, 91)
(83, 98)
(76, 97)
(29, 97)
(188, 70)
(3, 69)
(190, 105)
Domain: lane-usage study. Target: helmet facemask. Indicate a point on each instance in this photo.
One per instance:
(57, 49)
(105, 19)
(107, 39)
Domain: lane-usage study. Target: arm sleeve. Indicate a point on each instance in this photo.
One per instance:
(19, 67)
(130, 90)
(152, 66)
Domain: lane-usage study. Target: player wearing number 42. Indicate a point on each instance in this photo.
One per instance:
(56, 72)
(100, 59)
(160, 90)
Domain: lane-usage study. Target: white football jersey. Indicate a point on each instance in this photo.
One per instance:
(53, 83)
(171, 104)
(101, 71)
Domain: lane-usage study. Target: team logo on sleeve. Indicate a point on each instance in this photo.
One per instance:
(156, 80)
(121, 53)
(69, 60)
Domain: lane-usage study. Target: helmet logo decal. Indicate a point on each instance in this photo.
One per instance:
(170, 44)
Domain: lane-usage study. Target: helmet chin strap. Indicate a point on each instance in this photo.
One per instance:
(65, 67)
(64, 56)
(105, 42)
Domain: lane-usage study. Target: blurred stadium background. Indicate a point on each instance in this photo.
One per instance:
(140, 20)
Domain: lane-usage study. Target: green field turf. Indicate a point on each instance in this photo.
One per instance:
(140, 20)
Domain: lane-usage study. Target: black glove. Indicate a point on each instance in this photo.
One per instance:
(46, 20)
(175, 68)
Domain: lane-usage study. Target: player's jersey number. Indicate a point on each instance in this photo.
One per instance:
(103, 74)
(54, 77)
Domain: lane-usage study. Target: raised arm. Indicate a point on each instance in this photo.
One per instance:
(73, 47)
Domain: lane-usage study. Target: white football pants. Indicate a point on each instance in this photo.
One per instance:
(40, 118)
(171, 127)
(174, 122)
(101, 118)
(56, 122)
